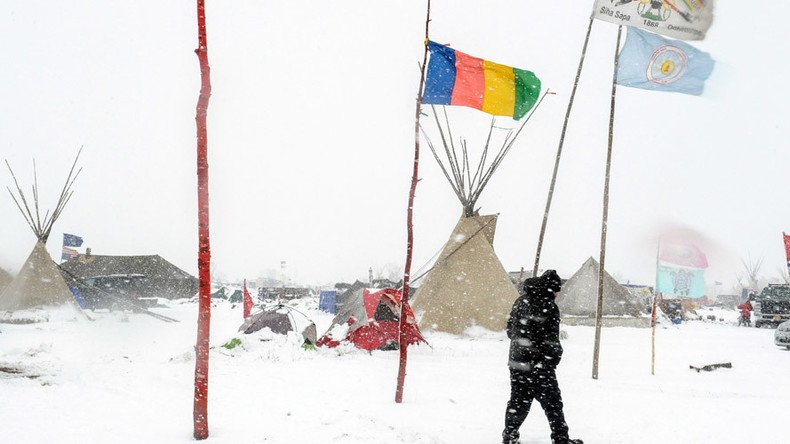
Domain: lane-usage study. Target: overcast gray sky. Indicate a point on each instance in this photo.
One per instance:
(311, 135)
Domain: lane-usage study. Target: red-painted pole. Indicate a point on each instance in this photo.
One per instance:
(200, 410)
(410, 232)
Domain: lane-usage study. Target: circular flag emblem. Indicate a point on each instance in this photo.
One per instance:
(667, 65)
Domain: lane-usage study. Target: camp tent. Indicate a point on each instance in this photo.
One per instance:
(280, 319)
(468, 284)
(236, 297)
(369, 318)
(578, 300)
(132, 276)
(39, 282)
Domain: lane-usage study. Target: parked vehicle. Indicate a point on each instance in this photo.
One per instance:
(772, 306)
(782, 335)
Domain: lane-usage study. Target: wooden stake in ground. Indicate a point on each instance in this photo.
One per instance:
(200, 410)
(409, 212)
(653, 339)
(605, 217)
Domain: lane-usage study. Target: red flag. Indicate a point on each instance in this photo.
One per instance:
(247, 301)
(787, 248)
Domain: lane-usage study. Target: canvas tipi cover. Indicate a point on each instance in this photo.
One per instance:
(5, 279)
(468, 284)
(579, 295)
(39, 283)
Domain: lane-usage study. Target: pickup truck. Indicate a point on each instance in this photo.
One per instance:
(772, 306)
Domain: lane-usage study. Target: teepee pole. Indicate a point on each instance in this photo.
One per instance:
(200, 407)
(559, 148)
(605, 217)
(409, 226)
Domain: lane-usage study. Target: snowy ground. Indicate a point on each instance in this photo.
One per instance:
(131, 380)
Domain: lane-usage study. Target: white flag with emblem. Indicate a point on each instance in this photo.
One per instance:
(679, 19)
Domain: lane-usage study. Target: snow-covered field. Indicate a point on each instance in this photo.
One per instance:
(129, 379)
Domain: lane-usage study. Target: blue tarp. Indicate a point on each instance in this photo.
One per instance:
(78, 297)
(327, 300)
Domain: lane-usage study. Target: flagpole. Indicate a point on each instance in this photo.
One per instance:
(559, 147)
(409, 218)
(605, 217)
(653, 314)
(200, 407)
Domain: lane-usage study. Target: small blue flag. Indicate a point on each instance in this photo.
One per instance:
(649, 61)
(71, 240)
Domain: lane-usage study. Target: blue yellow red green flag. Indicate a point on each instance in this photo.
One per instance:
(455, 78)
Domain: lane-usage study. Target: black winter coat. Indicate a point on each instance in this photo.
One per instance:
(534, 328)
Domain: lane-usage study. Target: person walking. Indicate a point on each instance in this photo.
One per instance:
(535, 352)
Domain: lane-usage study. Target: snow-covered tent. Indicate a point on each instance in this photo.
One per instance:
(578, 301)
(370, 319)
(131, 276)
(280, 319)
(467, 285)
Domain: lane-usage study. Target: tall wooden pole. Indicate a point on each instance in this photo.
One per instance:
(653, 337)
(559, 148)
(605, 217)
(409, 227)
(200, 410)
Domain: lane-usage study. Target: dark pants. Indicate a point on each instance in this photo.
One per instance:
(534, 384)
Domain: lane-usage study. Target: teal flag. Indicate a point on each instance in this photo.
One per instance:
(680, 282)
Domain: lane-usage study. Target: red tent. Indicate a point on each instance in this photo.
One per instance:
(373, 317)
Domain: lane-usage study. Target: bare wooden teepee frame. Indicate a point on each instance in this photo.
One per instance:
(31, 211)
(466, 184)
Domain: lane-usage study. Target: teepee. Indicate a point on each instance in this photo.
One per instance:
(578, 300)
(39, 283)
(467, 285)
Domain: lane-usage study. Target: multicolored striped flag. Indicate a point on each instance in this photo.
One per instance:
(455, 78)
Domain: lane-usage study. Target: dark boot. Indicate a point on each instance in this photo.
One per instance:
(510, 438)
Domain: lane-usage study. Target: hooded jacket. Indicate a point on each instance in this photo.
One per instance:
(534, 325)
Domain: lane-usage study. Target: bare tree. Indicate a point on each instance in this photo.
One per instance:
(752, 268)
(784, 277)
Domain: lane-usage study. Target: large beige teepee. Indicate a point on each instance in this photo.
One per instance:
(468, 284)
(39, 283)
